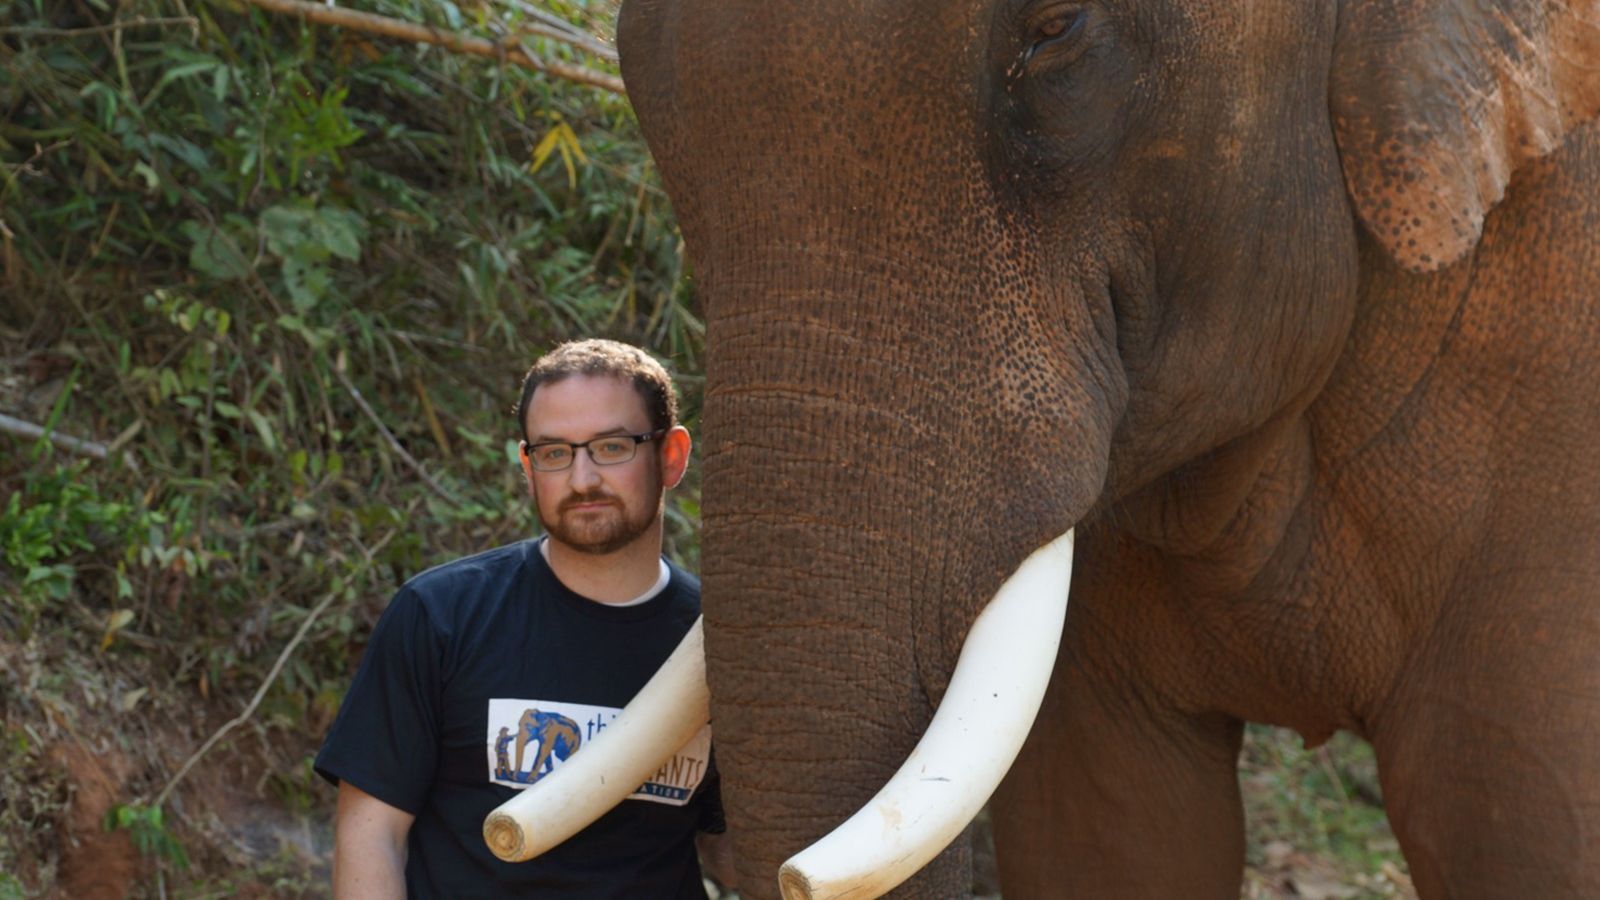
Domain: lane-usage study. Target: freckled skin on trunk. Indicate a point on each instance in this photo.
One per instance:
(844, 637)
(1149, 278)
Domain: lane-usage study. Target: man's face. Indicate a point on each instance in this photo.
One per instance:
(587, 507)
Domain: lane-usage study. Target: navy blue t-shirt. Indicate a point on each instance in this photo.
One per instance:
(484, 675)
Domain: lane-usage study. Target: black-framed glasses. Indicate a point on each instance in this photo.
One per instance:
(606, 450)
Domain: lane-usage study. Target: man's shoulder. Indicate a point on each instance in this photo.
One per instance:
(683, 577)
(686, 583)
(489, 570)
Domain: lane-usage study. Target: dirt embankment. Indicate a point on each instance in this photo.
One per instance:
(95, 864)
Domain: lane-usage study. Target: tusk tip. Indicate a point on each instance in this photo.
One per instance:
(503, 836)
(793, 884)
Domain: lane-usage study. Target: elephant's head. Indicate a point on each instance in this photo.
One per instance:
(978, 272)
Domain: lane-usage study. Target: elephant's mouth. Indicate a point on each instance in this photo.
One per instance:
(975, 735)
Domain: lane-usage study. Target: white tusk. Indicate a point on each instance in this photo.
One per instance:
(972, 741)
(659, 720)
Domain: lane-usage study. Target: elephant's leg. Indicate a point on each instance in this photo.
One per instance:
(541, 763)
(1489, 753)
(1112, 799)
(522, 743)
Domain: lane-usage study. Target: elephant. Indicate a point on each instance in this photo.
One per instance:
(558, 738)
(1286, 311)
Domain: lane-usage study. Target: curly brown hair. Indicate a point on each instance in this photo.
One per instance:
(602, 357)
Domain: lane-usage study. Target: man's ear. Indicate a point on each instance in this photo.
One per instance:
(527, 465)
(675, 445)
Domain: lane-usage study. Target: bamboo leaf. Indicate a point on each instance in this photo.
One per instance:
(263, 428)
(546, 146)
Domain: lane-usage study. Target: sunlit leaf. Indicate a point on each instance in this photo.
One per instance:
(118, 620)
(264, 428)
(546, 146)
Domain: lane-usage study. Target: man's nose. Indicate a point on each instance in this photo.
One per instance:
(585, 473)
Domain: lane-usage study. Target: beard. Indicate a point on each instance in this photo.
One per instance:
(600, 532)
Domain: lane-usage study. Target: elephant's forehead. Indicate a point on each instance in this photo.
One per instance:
(882, 57)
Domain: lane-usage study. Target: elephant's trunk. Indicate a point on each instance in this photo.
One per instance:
(847, 291)
(832, 459)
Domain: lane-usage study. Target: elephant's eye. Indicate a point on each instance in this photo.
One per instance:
(1060, 28)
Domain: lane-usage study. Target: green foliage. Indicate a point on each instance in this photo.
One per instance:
(230, 245)
(1324, 801)
(148, 829)
(57, 516)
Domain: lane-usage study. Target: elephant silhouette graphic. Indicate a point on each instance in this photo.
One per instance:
(557, 736)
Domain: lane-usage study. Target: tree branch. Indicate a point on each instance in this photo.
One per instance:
(392, 441)
(30, 430)
(506, 50)
(283, 657)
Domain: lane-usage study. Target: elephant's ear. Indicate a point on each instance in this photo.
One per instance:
(1437, 102)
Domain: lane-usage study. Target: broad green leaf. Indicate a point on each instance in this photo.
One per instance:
(285, 228)
(341, 231)
(306, 280)
(263, 428)
(214, 253)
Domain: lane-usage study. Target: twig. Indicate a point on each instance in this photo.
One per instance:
(559, 29)
(135, 22)
(30, 430)
(581, 41)
(394, 444)
(1326, 759)
(548, 18)
(261, 692)
(422, 34)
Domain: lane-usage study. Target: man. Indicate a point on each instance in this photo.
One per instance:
(541, 640)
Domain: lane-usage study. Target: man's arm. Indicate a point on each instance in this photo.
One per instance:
(369, 847)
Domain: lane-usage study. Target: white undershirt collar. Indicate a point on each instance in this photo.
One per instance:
(662, 578)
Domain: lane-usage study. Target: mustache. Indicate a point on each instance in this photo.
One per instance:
(577, 499)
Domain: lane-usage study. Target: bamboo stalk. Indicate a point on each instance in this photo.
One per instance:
(135, 22)
(423, 34)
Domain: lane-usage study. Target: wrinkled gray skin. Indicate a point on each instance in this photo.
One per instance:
(1289, 307)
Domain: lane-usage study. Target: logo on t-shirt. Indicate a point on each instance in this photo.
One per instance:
(529, 739)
